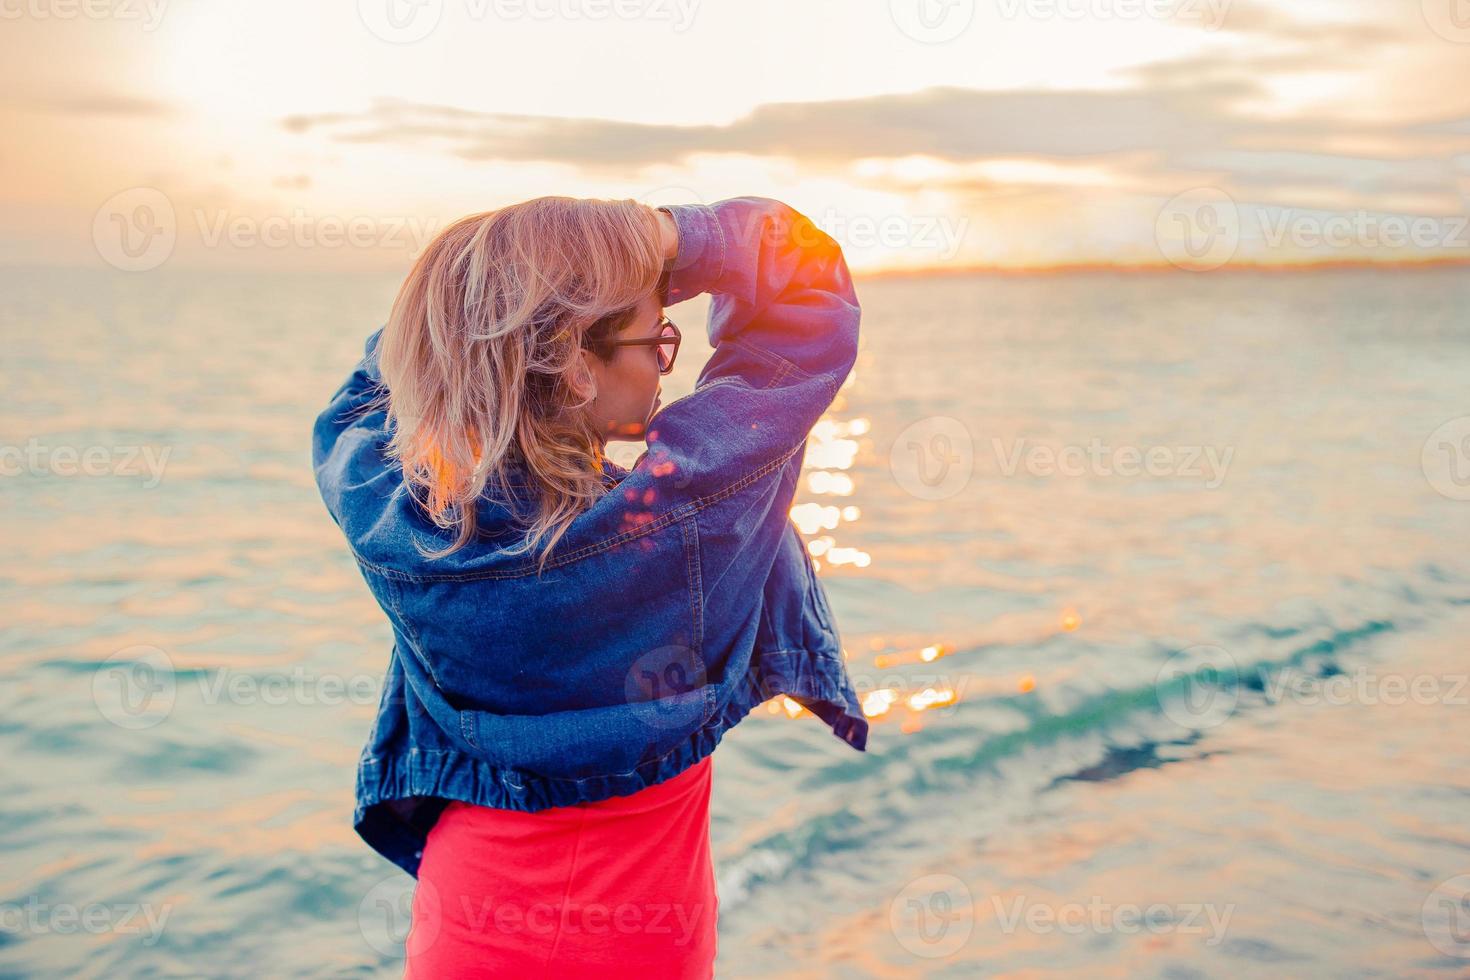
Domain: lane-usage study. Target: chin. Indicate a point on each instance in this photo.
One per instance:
(628, 432)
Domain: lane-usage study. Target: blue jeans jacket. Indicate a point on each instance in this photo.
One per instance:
(674, 605)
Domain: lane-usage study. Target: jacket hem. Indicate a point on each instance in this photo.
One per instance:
(400, 795)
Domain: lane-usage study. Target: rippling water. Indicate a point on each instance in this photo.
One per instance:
(1130, 571)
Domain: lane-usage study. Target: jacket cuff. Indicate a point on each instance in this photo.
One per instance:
(701, 256)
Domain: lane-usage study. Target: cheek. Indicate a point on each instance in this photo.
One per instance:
(643, 375)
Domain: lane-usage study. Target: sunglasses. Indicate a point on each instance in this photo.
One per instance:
(666, 340)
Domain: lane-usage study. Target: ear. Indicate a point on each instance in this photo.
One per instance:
(586, 375)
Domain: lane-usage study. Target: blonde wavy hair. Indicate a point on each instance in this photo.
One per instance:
(480, 357)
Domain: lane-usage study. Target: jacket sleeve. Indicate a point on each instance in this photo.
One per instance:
(783, 322)
(347, 437)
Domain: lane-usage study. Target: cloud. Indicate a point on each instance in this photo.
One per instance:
(1199, 127)
(1274, 23)
(1212, 117)
(949, 123)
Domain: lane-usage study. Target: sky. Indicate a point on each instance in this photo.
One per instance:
(922, 134)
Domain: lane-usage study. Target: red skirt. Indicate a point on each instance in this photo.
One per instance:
(623, 887)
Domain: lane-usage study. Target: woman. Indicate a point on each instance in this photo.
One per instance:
(572, 638)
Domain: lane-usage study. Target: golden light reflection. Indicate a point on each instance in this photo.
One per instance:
(877, 703)
(811, 518)
(931, 697)
(831, 449)
(831, 484)
(923, 655)
(849, 556)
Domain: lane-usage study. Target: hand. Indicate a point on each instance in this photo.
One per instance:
(668, 233)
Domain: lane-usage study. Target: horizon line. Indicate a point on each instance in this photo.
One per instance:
(1146, 268)
(895, 272)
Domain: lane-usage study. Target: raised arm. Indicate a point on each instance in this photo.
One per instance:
(784, 324)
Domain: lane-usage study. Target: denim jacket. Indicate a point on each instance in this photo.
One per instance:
(676, 603)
